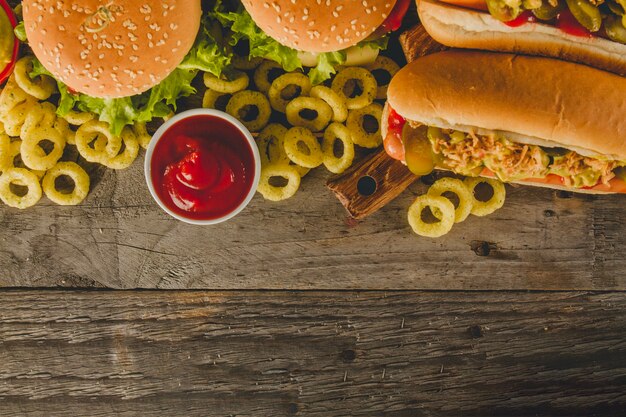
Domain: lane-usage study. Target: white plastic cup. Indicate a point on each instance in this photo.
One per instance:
(202, 112)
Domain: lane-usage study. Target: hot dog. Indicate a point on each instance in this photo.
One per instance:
(531, 120)
(591, 32)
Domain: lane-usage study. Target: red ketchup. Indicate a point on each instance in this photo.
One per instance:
(568, 24)
(564, 21)
(202, 168)
(393, 141)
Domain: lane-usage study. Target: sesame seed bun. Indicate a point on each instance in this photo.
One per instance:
(319, 25)
(117, 51)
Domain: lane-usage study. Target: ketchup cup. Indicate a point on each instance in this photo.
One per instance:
(202, 166)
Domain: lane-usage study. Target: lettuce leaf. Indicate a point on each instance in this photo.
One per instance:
(159, 101)
(208, 53)
(380, 43)
(261, 45)
(20, 31)
(327, 64)
(242, 30)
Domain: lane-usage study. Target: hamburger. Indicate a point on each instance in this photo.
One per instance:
(125, 61)
(532, 120)
(591, 32)
(322, 34)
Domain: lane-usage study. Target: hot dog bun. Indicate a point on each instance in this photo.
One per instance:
(538, 100)
(532, 100)
(467, 28)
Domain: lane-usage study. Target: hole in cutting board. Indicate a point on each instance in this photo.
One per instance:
(366, 186)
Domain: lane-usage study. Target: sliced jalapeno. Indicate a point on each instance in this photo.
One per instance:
(615, 7)
(586, 14)
(547, 11)
(615, 30)
(501, 11)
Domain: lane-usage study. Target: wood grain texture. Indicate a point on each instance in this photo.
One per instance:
(416, 42)
(390, 178)
(314, 354)
(119, 238)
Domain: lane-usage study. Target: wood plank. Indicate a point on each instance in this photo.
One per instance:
(119, 238)
(309, 353)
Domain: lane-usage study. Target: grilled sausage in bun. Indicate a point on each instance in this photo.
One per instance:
(522, 119)
(591, 32)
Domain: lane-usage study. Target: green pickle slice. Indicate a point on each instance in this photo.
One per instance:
(615, 30)
(547, 11)
(586, 13)
(502, 11)
(615, 7)
(418, 152)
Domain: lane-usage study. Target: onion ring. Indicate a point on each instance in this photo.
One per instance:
(356, 119)
(337, 132)
(22, 177)
(271, 144)
(338, 104)
(275, 193)
(76, 173)
(237, 81)
(11, 97)
(302, 147)
(483, 208)
(6, 160)
(77, 118)
(457, 187)
(368, 84)
(142, 135)
(42, 87)
(319, 106)
(210, 99)
(33, 133)
(40, 116)
(280, 85)
(98, 132)
(15, 159)
(129, 153)
(63, 127)
(246, 63)
(15, 104)
(389, 66)
(262, 75)
(238, 103)
(440, 204)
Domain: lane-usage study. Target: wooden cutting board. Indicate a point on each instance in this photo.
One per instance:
(373, 182)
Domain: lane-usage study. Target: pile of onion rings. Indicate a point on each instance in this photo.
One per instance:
(318, 125)
(443, 210)
(33, 142)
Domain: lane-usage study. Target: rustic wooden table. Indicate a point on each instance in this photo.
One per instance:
(362, 318)
(295, 309)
